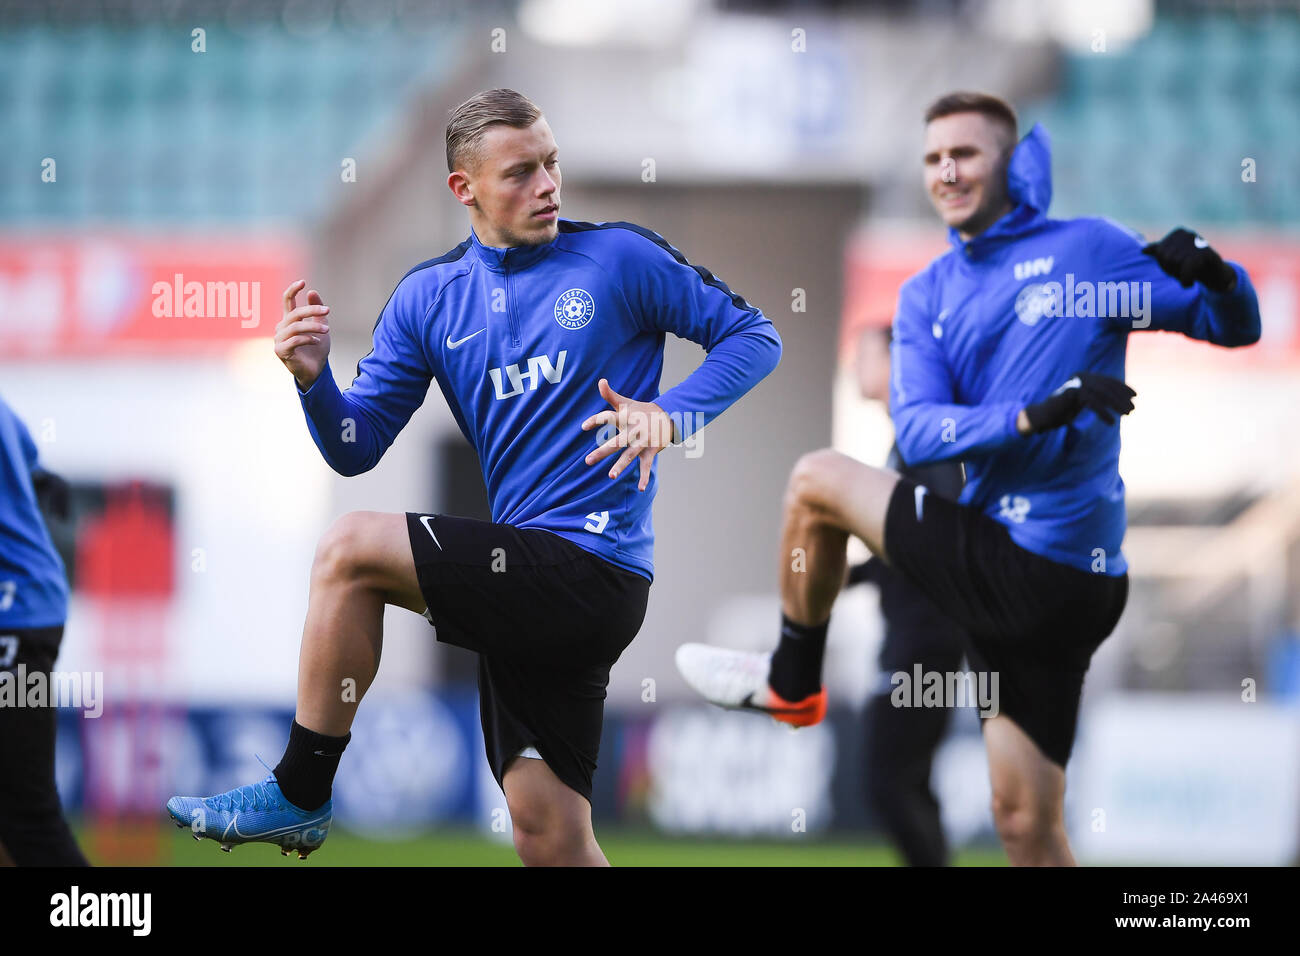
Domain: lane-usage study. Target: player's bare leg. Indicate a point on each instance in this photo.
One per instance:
(363, 562)
(1028, 797)
(831, 495)
(552, 822)
(828, 497)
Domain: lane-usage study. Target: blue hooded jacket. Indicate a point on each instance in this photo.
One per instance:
(1001, 321)
(33, 584)
(517, 340)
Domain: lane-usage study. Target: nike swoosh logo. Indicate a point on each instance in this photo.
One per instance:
(459, 342)
(748, 704)
(920, 498)
(424, 520)
(234, 825)
(1200, 243)
(1072, 383)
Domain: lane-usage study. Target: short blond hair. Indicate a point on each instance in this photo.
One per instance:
(476, 115)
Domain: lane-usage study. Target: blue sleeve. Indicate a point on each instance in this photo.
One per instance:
(354, 428)
(929, 424)
(1229, 319)
(668, 294)
(31, 455)
(26, 445)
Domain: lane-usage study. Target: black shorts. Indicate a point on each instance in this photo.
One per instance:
(33, 831)
(916, 631)
(548, 620)
(1033, 622)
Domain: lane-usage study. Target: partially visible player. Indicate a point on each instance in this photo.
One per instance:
(546, 338)
(1009, 356)
(33, 609)
(900, 742)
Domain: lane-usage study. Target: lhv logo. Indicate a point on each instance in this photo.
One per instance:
(1034, 267)
(574, 308)
(539, 367)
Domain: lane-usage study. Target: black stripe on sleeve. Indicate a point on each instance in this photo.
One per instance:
(708, 278)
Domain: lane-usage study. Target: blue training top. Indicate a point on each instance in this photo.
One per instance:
(33, 583)
(517, 340)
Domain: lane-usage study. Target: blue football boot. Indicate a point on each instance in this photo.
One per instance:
(256, 813)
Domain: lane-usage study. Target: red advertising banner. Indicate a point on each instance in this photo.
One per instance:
(107, 294)
(880, 260)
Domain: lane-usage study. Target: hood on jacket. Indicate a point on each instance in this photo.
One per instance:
(1029, 184)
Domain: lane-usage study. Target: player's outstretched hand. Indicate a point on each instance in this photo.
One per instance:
(644, 430)
(1106, 396)
(1189, 258)
(302, 339)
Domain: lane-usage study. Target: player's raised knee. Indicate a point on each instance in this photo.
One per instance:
(342, 549)
(810, 478)
(821, 479)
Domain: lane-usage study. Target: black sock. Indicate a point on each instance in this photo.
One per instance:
(306, 771)
(797, 663)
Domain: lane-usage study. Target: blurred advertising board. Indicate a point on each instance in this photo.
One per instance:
(88, 295)
(1187, 779)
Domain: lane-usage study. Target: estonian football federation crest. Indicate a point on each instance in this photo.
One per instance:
(574, 308)
(1033, 302)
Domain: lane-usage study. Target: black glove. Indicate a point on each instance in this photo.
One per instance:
(1188, 258)
(1103, 394)
(53, 494)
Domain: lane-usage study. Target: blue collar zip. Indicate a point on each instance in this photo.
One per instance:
(511, 259)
